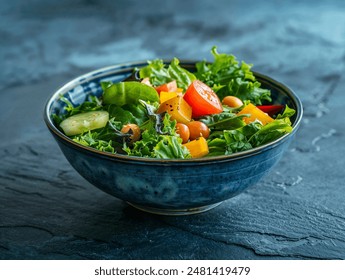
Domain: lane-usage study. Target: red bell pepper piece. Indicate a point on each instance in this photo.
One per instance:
(271, 109)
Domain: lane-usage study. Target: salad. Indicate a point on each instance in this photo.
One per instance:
(172, 113)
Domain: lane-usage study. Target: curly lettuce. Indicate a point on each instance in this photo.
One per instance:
(226, 76)
(163, 143)
(160, 73)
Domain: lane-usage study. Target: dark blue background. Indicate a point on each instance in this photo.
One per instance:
(47, 211)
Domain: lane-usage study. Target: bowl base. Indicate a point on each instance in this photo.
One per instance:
(174, 212)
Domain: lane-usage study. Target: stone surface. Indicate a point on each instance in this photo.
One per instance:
(47, 211)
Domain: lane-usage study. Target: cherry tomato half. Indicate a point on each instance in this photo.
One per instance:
(168, 87)
(183, 131)
(202, 99)
(198, 129)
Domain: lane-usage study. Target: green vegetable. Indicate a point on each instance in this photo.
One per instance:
(247, 90)
(228, 77)
(127, 113)
(159, 74)
(157, 120)
(125, 93)
(288, 112)
(170, 147)
(217, 146)
(91, 139)
(272, 131)
(252, 135)
(236, 141)
(228, 142)
(164, 143)
(224, 120)
(83, 122)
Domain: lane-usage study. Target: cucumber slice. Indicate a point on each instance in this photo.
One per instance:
(83, 122)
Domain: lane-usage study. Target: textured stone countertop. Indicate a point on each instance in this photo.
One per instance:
(48, 211)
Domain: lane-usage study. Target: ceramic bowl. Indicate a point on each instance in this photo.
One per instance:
(170, 187)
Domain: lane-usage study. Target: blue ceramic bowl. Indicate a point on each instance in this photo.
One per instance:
(170, 187)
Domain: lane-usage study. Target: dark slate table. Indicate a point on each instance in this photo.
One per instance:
(47, 211)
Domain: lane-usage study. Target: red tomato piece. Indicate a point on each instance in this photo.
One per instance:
(168, 87)
(202, 99)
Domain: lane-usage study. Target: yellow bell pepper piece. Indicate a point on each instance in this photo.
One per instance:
(198, 147)
(255, 114)
(166, 95)
(177, 108)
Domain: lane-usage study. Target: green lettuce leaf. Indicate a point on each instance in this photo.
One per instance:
(246, 90)
(236, 141)
(163, 143)
(127, 113)
(224, 120)
(231, 141)
(216, 147)
(227, 76)
(224, 69)
(271, 132)
(247, 137)
(160, 74)
(170, 147)
(91, 139)
(288, 113)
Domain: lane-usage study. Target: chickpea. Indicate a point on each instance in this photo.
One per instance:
(132, 129)
(232, 101)
(183, 131)
(198, 129)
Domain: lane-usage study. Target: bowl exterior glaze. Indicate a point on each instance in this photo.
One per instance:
(167, 185)
(172, 185)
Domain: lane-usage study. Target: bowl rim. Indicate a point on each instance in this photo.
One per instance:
(126, 67)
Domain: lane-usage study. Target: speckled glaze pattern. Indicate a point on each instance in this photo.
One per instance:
(167, 186)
